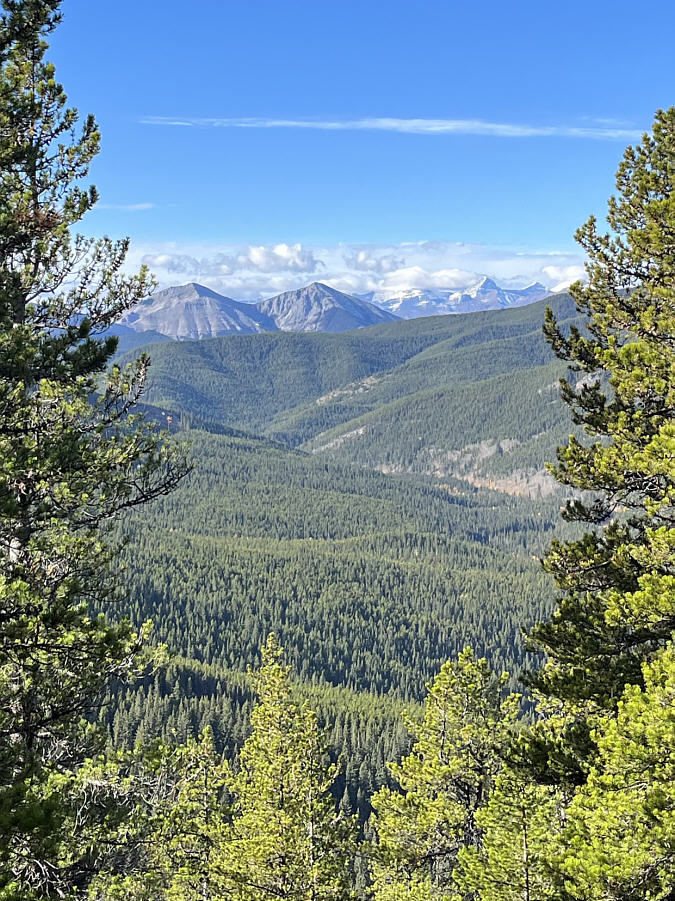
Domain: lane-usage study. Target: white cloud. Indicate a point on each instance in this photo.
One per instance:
(564, 276)
(418, 277)
(408, 126)
(253, 271)
(172, 262)
(273, 258)
(286, 257)
(365, 260)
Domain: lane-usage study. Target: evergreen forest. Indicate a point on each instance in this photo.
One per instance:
(383, 615)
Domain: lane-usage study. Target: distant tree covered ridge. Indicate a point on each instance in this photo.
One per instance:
(441, 397)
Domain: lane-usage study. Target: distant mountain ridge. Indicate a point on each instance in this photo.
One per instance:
(484, 295)
(192, 311)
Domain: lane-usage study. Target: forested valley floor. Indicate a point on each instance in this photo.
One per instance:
(339, 498)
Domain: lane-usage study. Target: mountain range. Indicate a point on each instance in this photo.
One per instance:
(486, 294)
(193, 312)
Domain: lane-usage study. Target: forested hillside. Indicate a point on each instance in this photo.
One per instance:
(471, 396)
(371, 579)
(371, 582)
(340, 499)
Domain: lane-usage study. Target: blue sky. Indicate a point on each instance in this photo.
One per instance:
(256, 145)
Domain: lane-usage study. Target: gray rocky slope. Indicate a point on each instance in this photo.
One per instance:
(192, 311)
(319, 308)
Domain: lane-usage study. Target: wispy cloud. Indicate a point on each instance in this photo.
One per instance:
(407, 126)
(126, 207)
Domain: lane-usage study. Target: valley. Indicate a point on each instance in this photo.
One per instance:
(345, 495)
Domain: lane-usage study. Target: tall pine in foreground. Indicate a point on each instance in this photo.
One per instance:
(617, 609)
(265, 826)
(71, 457)
(443, 785)
(287, 839)
(607, 732)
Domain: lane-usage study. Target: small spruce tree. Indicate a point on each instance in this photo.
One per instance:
(519, 824)
(287, 838)
(620, 839)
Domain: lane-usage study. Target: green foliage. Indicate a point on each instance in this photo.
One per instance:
(443, 784)
(620, 839)
(518, 823)
(363, 730)
(371, 581)
(177, 821)
(618, 579)
(266, 827)
(69, 460)
(607, 687)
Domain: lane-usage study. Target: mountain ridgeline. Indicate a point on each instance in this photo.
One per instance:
(192, 312)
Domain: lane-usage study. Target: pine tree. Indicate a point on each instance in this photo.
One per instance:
(168, 844)
(71, 455)
(444, 783)
(287, 839)
(511, 863)
(620, 840)
(618, 606)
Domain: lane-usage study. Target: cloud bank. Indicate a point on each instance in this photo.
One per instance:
(254, 271)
